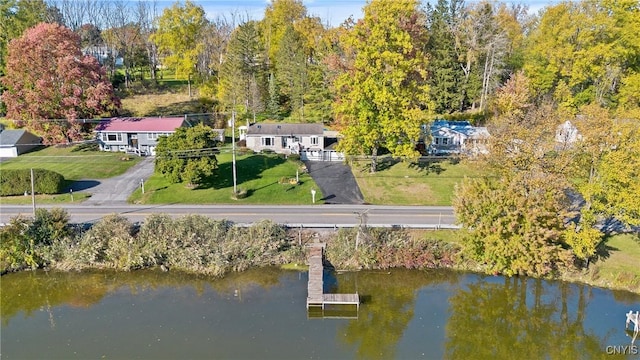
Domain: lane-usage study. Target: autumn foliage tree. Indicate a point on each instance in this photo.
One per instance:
(382, 99)
(48, 78)
(178, 37)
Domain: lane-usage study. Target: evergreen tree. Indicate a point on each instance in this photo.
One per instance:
(242, 81)
(444, 69)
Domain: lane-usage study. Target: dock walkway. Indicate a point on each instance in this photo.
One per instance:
(315, 294)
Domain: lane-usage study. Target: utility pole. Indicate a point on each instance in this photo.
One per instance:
(33, 195)
(233, 151)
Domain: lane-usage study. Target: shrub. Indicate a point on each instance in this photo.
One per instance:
(381, 248)
(87, 146)
(109, 244)
(17, 181)
(17, 250)
(239, 194)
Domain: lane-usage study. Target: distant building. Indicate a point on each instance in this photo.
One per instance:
(567, 134)
(16, 142)
(457, 137)
(103, 54)
(135, 135)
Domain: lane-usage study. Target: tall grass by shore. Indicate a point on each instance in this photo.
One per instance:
(200, 245)
(197, 244)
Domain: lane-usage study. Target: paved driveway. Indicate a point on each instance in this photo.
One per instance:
(336, 182)
(117, 189)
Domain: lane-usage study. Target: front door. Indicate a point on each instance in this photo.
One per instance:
(133, 141)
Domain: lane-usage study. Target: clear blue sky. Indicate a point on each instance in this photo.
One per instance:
(332, 11)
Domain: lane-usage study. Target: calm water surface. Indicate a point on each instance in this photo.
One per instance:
(262, 314)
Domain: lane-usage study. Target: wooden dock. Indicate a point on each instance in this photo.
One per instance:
(315, 294)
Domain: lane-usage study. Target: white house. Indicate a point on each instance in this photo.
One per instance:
(311, 141)
(137, 135)
(16, 142)
(567, 134)
(285, 138)
(457, 137)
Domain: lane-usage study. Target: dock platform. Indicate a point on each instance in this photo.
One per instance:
(315, 293)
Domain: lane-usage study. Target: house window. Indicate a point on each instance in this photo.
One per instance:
(314, 140)
(111, 137)
(152, 136)
(445, 141)
(268, 141)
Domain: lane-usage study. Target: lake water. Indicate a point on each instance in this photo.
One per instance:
(261, 314)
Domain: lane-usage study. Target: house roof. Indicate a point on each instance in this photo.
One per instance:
(285, 129)
(443, 127)
(149, 124)
(11, 137)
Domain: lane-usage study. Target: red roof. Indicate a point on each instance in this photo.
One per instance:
(150, 124)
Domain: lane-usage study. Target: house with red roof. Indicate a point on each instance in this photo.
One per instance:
(135, 135)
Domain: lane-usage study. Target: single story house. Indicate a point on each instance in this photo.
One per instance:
(136, 135)
(285, 138)
(16, 142)
(457, 137)
(567, 134)
(310, 141)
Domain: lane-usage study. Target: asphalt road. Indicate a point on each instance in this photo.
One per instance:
(318, 216)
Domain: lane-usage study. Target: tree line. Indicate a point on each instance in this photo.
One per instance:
(443, 57)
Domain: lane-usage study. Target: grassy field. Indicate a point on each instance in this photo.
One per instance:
(618, 269)
(74, 164)
(78, 197)
(259, 175)
(406, 183)
(163, 105)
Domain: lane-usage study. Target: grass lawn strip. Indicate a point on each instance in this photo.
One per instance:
(45, 199)
(260, 175)
(406, 183)
(621, 269)
(74, 165)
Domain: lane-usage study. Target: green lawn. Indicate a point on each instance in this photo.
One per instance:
(411, 183)
(259, 175)
(74, 164)
(622, 266)
(41, 199)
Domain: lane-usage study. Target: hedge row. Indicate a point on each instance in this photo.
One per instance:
(17, 181)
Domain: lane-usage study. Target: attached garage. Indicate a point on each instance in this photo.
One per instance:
(16, 142)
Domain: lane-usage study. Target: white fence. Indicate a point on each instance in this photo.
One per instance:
(321, 155)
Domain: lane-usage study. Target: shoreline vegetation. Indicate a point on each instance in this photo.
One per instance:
(200, 245)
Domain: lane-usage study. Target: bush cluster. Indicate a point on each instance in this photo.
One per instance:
(383, 248)
(198, 244)
(193, 243)
(17, 181)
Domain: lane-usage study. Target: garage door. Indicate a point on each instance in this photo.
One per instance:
(8, 152)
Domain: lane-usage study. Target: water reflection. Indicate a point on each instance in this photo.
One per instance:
(261, 314)
(519, 316)
(388, 306)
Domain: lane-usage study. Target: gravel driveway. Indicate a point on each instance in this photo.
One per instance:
(117, 189)
(336, 182)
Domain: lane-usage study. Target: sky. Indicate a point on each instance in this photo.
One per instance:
(333, 12)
